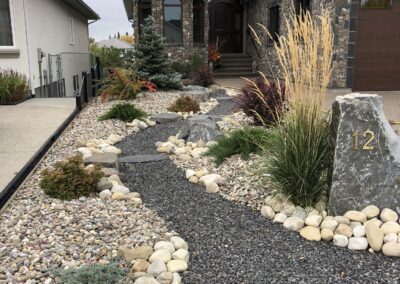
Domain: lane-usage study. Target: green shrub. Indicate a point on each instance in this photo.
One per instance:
(197, 61)
(299, 155)
(184, 68)
(70, 180)
(124, 111)
(121, 84)
(185, 104)
(241, 142)
(94, 274)
(170, 81)
(109, 57)
(151, 61)
(13, 86)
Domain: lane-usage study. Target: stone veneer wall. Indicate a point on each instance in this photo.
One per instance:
(258, 12)
(179, 52)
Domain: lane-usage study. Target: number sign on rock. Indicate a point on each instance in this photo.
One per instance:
(366, 166)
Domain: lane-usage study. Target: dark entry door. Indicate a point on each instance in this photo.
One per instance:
(226, 25)
(377, 60)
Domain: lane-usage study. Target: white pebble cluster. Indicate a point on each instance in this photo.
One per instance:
(138, 124)
(357, 230)
(99, 146)
(159, 264)
(184, 151)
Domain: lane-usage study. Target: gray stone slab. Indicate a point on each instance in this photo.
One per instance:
(224, 98)
(142, 158)
(167, 117)
(366, 168)
(105, 160)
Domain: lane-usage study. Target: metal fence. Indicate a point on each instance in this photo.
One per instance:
(90, 85)
(62, 78)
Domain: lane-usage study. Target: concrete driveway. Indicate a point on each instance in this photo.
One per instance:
(24, 128)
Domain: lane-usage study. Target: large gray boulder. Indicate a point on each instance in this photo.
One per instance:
(366, 168)
(200, 127)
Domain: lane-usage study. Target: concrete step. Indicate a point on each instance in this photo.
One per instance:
(235, 74)
(232, 69)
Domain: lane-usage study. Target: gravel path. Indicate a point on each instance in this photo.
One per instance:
(230, 243)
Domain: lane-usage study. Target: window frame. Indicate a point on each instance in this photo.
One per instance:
(141, 6)
(298, 5)
(173, 5)
(12, 20)
(202, 22)
(275, 35)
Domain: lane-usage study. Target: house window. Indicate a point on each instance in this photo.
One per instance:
(198, 21)
(173, 21)
(302, 6)
(274, 22)
(6, 31)
(144, 11)
(72, 31)
(376, 4)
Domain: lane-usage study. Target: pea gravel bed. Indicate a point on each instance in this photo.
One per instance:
(231, 243)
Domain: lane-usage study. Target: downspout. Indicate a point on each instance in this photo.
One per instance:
(28, 47)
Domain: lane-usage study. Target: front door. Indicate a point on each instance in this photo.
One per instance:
(226, 25)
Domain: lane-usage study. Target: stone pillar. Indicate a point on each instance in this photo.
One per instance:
(366, 166)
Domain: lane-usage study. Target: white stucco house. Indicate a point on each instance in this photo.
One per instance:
(31, 31)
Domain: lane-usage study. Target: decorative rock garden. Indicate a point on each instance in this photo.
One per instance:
(39, 234)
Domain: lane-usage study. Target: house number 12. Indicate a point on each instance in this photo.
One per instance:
(368, 135)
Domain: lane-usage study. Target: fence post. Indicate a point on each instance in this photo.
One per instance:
(98, 67)
(93, 84)
(84, 87)
(78, 99)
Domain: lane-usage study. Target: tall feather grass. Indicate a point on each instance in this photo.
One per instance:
(13, 86)
(298, 153)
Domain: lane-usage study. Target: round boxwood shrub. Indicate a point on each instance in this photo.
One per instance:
(70, 180)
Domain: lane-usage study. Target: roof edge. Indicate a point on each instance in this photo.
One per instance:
(81, 7)
(129, 8)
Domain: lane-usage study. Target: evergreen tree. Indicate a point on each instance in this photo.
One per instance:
(151, 61)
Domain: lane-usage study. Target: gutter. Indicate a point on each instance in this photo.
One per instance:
(28, 46)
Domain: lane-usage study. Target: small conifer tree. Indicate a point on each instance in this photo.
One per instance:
(151, 61)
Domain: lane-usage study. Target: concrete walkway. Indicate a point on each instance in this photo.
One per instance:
(391, 99)
(24, 128)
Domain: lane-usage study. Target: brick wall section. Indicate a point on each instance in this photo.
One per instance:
(258, 12)
(179, 52)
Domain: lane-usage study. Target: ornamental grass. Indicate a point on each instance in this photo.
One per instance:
(298, 152)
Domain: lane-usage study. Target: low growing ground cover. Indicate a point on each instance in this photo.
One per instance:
(123, 111)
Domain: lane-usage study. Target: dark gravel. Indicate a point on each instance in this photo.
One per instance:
(230, 243)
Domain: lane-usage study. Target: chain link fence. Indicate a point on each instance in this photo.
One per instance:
(64, 73)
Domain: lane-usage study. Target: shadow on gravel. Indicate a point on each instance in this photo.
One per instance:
(230, 243)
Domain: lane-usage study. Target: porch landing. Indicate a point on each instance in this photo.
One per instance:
(24, 128)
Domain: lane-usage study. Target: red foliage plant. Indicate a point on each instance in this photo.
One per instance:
(263, 101)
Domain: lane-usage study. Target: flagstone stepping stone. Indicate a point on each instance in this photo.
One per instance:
(142, 158)
(107, 160)
(167, 117)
